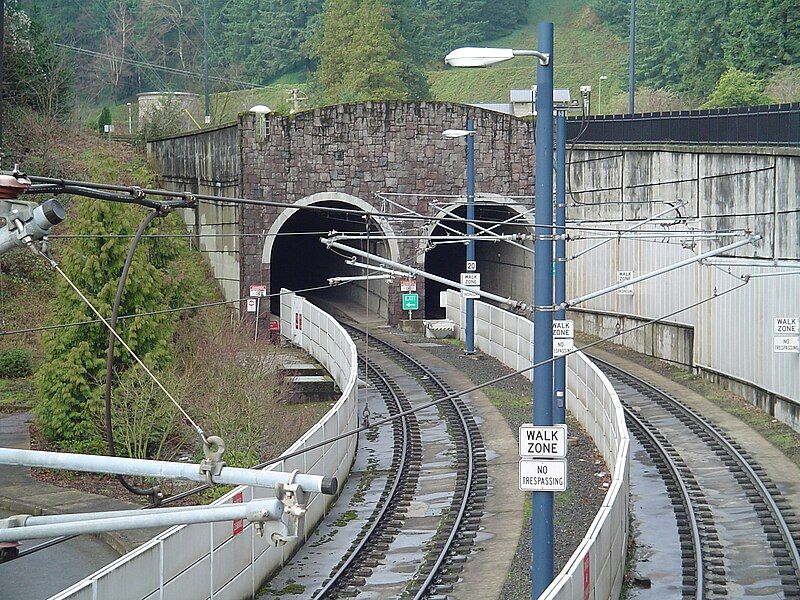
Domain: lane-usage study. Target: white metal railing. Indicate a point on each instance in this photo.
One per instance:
(208, 560)
(600, 557)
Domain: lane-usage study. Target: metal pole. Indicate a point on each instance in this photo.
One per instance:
(560, 364)
(470, 341)
(161, 469)
(542, 521)
(2, 42)
(256, 510)
(672, 267)
(414, 271)
(205, 62)
(632, 59)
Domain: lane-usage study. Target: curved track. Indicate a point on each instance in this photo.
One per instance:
(456, 524)
(736, 524)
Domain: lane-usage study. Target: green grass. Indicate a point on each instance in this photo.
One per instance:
(584, 50)
(17, 394)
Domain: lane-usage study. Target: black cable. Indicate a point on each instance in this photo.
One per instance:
(152, 491)
(205, 486)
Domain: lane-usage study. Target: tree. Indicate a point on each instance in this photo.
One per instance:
(71, 378)
(35, 73)
(736, 88)
(362, 55)
(104, 119)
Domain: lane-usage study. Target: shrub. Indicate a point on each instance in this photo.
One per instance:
(15, 362)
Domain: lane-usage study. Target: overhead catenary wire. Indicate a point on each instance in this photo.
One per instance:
(155, 312)
(182, 495)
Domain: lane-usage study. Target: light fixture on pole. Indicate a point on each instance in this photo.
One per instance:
(542, 520)
(471, 265)
(600, 93)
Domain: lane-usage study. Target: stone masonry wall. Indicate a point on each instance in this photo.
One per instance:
(363, 149)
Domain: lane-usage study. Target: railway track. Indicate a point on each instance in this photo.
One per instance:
(457, 523)
(738, 536)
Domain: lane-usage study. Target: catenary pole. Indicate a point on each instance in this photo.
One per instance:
(559, 266)
(205, 62)
(542, 521)
(632, 59)
(470, 333)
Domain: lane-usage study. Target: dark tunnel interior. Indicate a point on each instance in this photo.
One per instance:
(299, 260)
(448, 260)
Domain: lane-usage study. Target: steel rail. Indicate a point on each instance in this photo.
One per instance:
(686, 499)
(470, 447)
(759, 485)
(336, 579)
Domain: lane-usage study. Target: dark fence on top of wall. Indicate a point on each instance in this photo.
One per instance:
(772, 125)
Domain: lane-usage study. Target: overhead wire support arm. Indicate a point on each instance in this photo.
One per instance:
(579, 300)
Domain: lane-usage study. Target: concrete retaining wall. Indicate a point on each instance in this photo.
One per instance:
(600, 557)
(207, 560)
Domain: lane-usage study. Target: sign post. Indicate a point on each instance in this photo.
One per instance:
(410, 303)
(257, 292)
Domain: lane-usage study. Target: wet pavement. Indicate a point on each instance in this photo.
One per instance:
(49, 571)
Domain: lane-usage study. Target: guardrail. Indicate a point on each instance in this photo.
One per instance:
(596, 568)
(208, 560)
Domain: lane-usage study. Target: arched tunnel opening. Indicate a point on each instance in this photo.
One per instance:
(299, 260)
(505, 269)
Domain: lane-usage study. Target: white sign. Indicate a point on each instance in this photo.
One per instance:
(786, 325)
(258, 290)
(472, 265)
(542, 441)
(542, 475)
(786, 344)
(622, 277)
(471, 279)
(562, 346)
(408, 285)
(563, 329)
(466, 294)
(251, 305)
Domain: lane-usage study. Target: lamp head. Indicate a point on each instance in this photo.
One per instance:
(457, 133)
(478, 57)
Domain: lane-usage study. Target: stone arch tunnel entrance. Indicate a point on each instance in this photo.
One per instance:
(298, 260)
(498, 261)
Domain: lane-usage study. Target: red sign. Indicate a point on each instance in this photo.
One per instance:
(408, 285)
(258, 290)
(238, 524)
(587, 583)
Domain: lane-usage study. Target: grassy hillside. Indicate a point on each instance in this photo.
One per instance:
(584, 50)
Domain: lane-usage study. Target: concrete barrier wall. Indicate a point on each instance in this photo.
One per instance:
(600, 558)
(207, 560)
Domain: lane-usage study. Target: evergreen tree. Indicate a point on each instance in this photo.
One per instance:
(736, 88)
(72, 376)
(362, 55)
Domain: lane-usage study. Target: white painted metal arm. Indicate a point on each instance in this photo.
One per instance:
(162, 469)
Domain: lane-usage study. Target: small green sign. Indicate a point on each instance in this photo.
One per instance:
(410, 301)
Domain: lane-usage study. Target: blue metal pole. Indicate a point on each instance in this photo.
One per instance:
(470, 349)
(559, 267)
(542, 522)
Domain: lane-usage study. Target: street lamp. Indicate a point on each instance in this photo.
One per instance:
(600, 93)
(471, 265)
(542, 518)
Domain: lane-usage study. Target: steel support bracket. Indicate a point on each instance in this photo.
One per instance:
(295, 504)
(212, 464)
